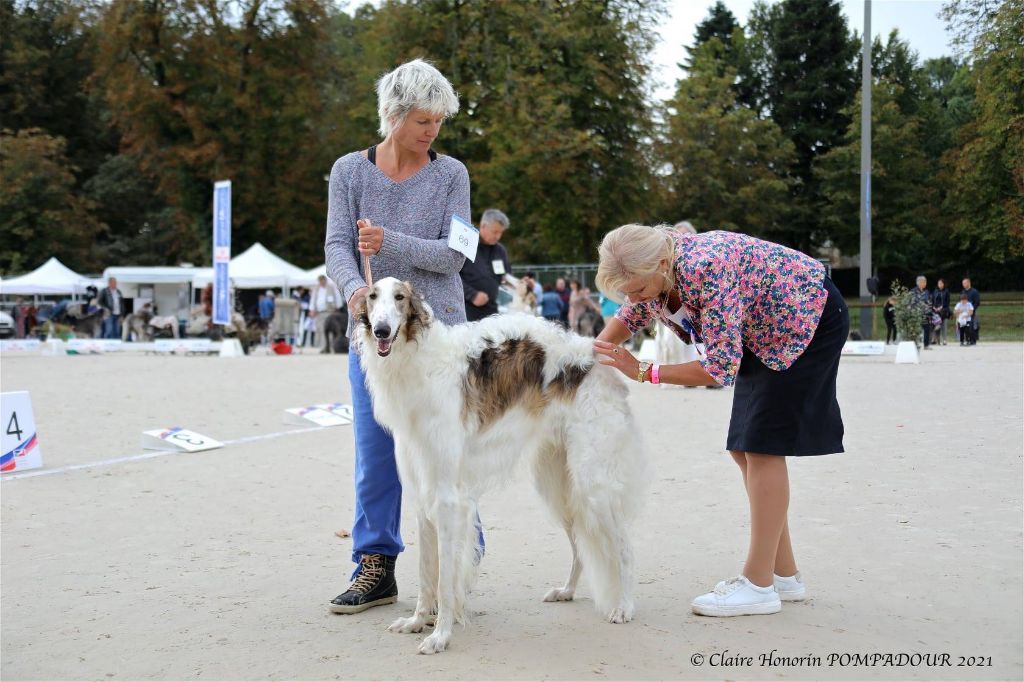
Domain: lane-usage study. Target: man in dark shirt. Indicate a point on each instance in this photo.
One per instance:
(482, 277)
(923, 299)
(974, 298)
(112, 301)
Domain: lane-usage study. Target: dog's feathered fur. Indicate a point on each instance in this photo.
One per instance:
(466, 404)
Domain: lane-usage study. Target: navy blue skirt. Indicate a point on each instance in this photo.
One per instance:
(794, 412)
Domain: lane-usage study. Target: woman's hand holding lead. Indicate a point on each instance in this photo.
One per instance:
(371, 237)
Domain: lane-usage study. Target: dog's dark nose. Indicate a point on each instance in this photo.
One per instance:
(382, 332)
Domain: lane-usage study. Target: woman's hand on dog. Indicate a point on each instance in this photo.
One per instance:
(617, 357)
(371, 237)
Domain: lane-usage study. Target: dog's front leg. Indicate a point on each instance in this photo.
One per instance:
(426, 602)
(448, 518)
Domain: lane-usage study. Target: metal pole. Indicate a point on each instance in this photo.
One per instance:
(866, 311)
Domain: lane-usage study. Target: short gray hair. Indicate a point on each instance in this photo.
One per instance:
(685, 227)
(493, 215)
(413, 85)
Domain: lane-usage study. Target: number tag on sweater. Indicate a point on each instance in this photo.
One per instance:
(463, 237)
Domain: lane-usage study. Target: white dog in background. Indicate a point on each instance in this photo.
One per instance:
(465, 405)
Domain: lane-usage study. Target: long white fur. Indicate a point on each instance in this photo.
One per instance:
(587, 456)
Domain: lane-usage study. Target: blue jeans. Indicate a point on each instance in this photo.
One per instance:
(376, 529)
(378, 491)
(112, 327)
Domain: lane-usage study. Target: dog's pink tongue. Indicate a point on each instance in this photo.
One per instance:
(383, 346)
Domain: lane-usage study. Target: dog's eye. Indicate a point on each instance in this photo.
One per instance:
(399, 297)
(373, 297)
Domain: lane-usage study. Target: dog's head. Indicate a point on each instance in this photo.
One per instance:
(391, 311)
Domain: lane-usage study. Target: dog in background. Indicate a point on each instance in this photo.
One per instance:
(466, 404)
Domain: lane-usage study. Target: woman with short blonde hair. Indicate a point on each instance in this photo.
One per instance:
(764, 318)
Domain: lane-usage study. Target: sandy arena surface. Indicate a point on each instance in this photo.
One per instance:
(219, 565)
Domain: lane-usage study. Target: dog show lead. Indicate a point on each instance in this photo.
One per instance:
(765, 318)
(394, 201)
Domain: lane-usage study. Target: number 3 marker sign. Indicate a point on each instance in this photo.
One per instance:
(19, 445)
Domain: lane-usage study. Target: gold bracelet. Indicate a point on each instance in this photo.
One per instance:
(644, 366)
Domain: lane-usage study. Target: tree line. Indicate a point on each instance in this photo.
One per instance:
(117, 117)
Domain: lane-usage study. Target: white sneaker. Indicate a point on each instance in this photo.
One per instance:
(791, 588)
(737, 597)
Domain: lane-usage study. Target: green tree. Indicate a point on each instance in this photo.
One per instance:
(728, 167)
(226, 90)
(554, 119)
(808, 72)
(41, 215)
(720, 23)
(986, 169)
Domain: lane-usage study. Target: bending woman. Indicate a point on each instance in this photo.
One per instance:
(765, 318)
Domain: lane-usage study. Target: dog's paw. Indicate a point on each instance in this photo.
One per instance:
(407, 625)
(559, 594)
(620, 615)
(434, 644)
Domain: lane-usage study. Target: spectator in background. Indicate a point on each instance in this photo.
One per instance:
(112, 302)
(551, 306)
(685, 227)
(266, 309)
(324, 300)
(563, 293)
(889, 313)
(481, 278)
(940, 304)
(538, 290)
(579, 303)
(974, 298)
(964, 311)
(923, 298)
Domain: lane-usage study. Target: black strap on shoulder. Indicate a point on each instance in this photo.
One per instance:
(371, 154)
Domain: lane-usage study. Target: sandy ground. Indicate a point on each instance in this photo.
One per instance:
(219, 565)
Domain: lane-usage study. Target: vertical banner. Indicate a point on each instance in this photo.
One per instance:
(221, 251)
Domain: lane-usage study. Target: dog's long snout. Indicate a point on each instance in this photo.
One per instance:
(382, 331)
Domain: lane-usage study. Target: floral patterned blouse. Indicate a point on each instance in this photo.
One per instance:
(740, 291)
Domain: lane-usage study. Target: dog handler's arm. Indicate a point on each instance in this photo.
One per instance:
(339, 245)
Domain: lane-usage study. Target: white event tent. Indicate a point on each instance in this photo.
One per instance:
(52, 278)
(258, 268)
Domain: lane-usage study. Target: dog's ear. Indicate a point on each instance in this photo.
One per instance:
(419, 317)
(361, 310)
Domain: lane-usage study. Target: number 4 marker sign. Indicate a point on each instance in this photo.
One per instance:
(19, 445)
(177, 438)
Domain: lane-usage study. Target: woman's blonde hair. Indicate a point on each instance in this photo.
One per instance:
(631, 251)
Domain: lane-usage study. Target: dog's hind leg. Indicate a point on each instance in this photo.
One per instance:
(607, 474)
(552, 482)
(426, 602)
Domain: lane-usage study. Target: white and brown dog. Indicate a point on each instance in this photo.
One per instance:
(466, 404)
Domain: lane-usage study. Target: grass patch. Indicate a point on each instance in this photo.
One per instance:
(1001, 316)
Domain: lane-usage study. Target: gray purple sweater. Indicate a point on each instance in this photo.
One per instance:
(416, 215)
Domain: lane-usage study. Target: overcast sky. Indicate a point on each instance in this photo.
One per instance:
(917, 21)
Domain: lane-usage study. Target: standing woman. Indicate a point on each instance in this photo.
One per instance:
(940, 304)
(393, 202)
(765, 318)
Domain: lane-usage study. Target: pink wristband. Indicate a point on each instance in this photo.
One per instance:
(655, 374)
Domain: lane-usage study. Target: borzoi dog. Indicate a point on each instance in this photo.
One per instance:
(465, 404)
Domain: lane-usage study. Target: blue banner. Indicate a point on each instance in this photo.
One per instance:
(221, 252)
